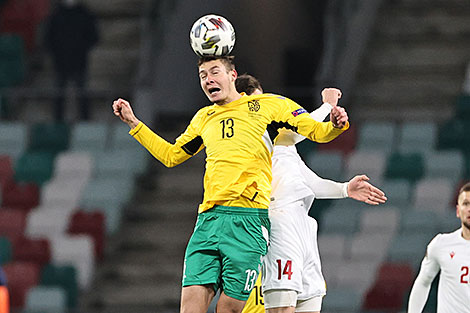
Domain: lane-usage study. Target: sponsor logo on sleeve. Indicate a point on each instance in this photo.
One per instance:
(299, 111)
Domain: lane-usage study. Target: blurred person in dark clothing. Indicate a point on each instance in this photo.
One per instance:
(70, 34)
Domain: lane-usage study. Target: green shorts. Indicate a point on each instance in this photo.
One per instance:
(226, 249)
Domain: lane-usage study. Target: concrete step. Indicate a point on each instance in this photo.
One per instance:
(119, 8)
(416, 55)
(423, 4)
(120, 31)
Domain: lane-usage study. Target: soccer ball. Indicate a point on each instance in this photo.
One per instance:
(212, 35)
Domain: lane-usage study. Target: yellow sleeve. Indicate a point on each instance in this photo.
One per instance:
(304, 124)
(187, 144)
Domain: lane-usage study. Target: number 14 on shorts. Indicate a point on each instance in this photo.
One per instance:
(284, 270)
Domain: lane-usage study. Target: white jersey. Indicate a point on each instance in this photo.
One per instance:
(449, 253)
(293, 261)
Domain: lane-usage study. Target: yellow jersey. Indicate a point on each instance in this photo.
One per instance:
(238, 161)
(255, 303)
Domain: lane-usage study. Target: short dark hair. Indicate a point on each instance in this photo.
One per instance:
(464, 188)
(227, 60)
(247, 84)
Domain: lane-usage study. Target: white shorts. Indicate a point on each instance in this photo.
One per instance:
(293, 261)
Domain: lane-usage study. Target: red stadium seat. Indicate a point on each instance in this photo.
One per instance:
(344, 143)
(90, 223)
(21, 196)
(6, 170)
(32, 250)
(393, 281)
(23, 17)
(12, 223)
(21, 277)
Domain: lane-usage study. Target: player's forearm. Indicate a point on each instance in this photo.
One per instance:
(324, 188)
(168, 154)
(320, 132)
(419, 295)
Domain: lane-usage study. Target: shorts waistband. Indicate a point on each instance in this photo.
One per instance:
(233, 210)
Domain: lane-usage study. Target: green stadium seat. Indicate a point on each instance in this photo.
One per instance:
(34, 167)
(64, 276)
(453, 135)
(339, 221)
(408, 166)
(12, 64)
(49, 137)
(6, 250)
(463, 105)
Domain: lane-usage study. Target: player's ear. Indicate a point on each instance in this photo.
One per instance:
(457, 211)
(234, 74)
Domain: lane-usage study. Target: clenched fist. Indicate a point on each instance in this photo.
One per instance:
(331, 95)
(123, 110)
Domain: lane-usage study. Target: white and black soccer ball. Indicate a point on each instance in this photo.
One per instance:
(212, 35)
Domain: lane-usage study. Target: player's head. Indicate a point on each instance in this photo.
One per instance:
(463, 205)
(217, 76)
(248, 84)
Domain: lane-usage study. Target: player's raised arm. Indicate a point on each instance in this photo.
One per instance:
(186, 145)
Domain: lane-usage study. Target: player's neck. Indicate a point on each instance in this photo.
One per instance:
(234, 96)
(465, 232)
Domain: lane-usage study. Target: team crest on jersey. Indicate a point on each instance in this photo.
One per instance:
(299, 111)
(253, 105)
(452, 254)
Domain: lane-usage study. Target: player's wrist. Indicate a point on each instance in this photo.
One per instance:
(133, 123)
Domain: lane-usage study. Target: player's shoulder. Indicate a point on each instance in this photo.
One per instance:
(452, 236)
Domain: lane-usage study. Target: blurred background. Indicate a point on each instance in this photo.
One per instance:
(90, 222)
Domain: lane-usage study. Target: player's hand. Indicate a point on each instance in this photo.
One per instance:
(123, 110)
(331, 95)
(338, 116)
(360, 189)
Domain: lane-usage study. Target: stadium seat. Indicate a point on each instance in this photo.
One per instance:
(23, 196)
(21, 277)
(453, 135)
(108, 195)
(62, 192)
(32, 250)
(345, 143)
(448, 221)
(115, 165)
(13, 139)
(12, 59)
(6, 250)
(64, 276)
(376, 136)
(339, 221)
(51, 299)
(120, 138)
(384, 219)
(357, 275)
(89, 136)
(76, 250)
(417, 137)
(92, 224)
(463, 105)
(405, 166)
(433, 194)
(372, 164)
(12, 223)
(387, 294)
(318, 159)
(77, 165)
(369, 247)
(445, 164)
(398, 192)
(34, 167)
(408, 248)
(6, 171)
(416, 221)
(50, 138)
(342, 300)
(332, 246)
(48, 222)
